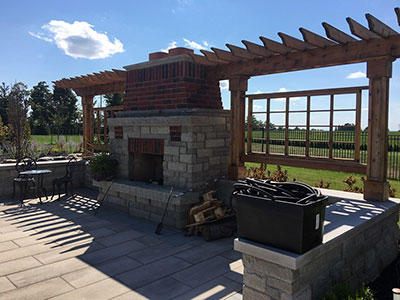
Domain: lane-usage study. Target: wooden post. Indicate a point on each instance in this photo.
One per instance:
(249, 125)
(238, 88)
(87, 110)
(331, 110)
(357, 132)
(379, 72)
(307, 153)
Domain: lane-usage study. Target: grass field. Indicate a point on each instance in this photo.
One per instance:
(313, 177)
(51, 140)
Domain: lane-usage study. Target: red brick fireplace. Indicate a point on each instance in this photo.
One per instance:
(172, 132)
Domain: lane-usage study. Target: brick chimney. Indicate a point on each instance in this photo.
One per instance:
(171, 81)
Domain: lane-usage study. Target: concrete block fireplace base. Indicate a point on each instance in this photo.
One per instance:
(148, 201)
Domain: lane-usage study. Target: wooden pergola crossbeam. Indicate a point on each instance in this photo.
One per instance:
(257, 49)
(225, 55)
(199, 59)
(360, 31)
(275, 46)
(241, 52)
(294, 43)
(337, 35)
(379, 27)
(211, 56)
(315, 39)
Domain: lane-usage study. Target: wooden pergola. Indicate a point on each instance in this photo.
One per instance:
(88, 86)
(378, 46)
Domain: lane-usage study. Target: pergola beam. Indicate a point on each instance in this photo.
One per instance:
(274, 46)
(315, 39)
(337, 35)
(294, 43)
(241, 52)
(355, 52)
(379, 27)
(360, 31)
(257, 49)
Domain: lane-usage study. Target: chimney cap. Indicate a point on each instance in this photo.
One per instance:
(179, 51)
(157, 55)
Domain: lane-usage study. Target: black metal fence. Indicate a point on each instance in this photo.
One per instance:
(342, 147)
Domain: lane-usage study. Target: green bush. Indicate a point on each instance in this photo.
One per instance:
(103, 167)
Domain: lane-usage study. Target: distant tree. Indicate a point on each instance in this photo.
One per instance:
(3, 131)
(40, 103)
(4, 93)
(114, 99)
(64, 113)
(17, 110)
(346, 127)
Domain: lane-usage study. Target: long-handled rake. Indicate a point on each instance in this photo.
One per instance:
(104, 197)
(160, 225)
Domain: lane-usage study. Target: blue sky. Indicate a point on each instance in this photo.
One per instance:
(37, 43)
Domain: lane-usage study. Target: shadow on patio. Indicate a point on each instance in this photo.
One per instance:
(59, 249)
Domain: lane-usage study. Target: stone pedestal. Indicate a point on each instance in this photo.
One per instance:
(360, 240)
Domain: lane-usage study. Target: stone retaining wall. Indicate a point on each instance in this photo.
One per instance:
(8, 173)
(349, 254)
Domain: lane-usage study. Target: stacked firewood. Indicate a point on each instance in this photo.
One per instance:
(212, 219)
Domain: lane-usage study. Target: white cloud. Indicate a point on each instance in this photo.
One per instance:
(39, 36)
(171, 45)
(258, 108)
(224, 84)
(355, 75)
(80, 40)
(283, 90)
(195, 45)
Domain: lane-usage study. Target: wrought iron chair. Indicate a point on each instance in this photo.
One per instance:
(66, 179)
(24, 181)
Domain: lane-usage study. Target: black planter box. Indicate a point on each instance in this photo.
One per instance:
(289, 226)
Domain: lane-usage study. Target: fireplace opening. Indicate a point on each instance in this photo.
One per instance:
(146, 160)
(146, 167)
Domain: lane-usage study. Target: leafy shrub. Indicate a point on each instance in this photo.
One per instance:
(103, 167)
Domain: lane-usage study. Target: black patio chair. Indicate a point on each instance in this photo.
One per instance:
(66, 179)
(24, 182)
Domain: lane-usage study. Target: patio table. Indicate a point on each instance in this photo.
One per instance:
(40, 189)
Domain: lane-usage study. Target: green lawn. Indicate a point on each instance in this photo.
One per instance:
(313, 177)
(51, 140)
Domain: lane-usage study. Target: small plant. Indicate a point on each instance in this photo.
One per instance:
(262, 173)
(344, 292)
(103, 167)
(61, 145)
(72, 147)
(351, 187)
(323, 185)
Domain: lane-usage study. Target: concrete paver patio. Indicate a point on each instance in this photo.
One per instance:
(60, 250)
